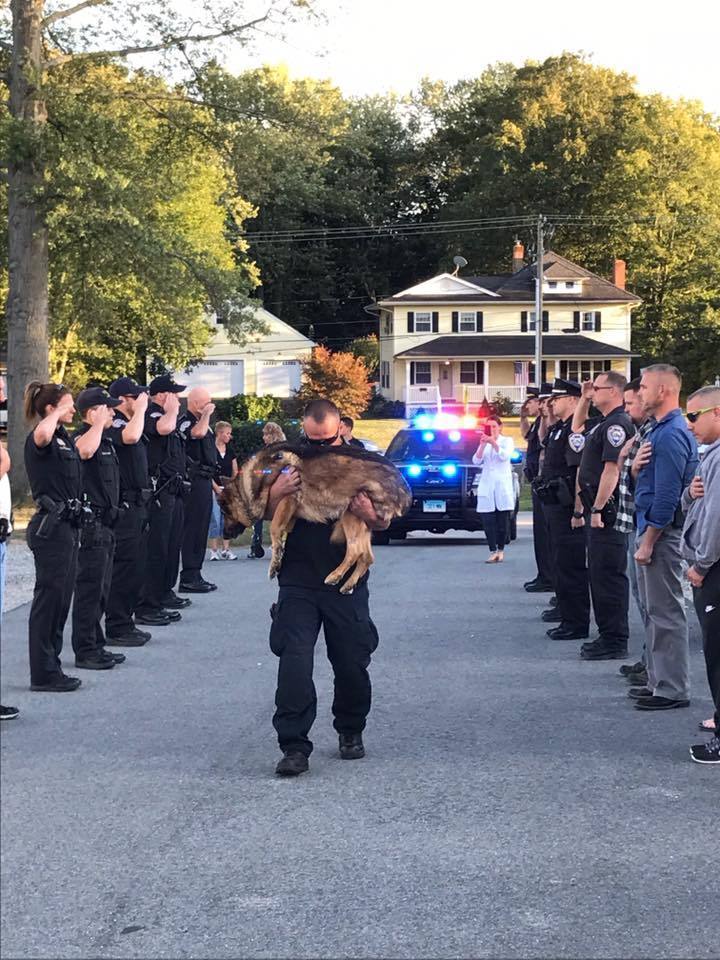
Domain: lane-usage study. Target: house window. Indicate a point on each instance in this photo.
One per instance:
(587, 320)
(422, 368)
(423, 323)
(385, 374)
(552, 284)
(571, 285)
(388, 327)
(468, 371)
(583, 369)
(467, 323)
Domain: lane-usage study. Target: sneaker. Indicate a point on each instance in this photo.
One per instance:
(214, 555)
(58, 684)
(351, 746)
(628, 669)
(227, 555)
(292, 764)
(96, 662)
(8, 713)
(703, 752)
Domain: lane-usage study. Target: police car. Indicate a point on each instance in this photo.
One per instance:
(435, 457)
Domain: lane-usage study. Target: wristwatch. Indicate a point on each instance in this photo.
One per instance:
(577, 515)
(597, 509)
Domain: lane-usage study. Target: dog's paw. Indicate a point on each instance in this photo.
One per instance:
(332, 578)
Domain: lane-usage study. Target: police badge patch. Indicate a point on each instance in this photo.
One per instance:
(616, 435)
(576, 442)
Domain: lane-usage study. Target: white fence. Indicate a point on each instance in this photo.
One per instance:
(428, 395)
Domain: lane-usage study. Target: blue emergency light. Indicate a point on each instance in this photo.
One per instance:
(428, 436)
(414, 470)
(449, 469)
(516, 456)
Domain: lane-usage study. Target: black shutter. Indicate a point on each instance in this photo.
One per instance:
(435, 322)
(523, 321)
(576, 321)
(597, 321)
(479, 321)
(411, 321)
(455, 321)
(479, 370)
(412, 372)
(545, 321)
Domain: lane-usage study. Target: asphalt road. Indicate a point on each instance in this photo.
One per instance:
(512, 803)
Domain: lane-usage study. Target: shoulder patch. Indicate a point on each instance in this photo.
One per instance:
(616, 435)
(155, 415)
(576, 441)
(60, 442)
(119, 423)
(182, 427)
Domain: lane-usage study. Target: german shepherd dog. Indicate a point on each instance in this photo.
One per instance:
(331, 477)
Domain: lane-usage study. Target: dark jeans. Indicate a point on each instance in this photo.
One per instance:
(496, 525)
(707, 607)
(609, 586)
(257, 534)
(198, 510)
(541, 542)
(92, 586)
(351, 639)
(569, 558)
(128, 570)
(55, 565)
(163, 549)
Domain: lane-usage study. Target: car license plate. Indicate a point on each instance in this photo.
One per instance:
(434, 506)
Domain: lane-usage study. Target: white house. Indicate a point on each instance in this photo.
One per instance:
(268, 364)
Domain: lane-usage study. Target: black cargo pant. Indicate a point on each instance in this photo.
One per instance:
(351, 639)
(609, 584)
(163, 549)
(128, 570)
(92, 586)
(541, 542)
(568, 551)
(198, 509)
(707, 607)
(55, 566)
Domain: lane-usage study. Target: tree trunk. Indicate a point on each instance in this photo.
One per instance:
(27, 305)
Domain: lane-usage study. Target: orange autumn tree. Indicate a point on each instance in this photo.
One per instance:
(339, 377)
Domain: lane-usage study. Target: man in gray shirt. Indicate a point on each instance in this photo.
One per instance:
(701, 547)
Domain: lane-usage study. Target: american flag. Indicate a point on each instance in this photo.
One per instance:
(522, 374)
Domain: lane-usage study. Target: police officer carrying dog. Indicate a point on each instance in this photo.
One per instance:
(556, 489)
(101, 494)
(201, 456)
(305, 603)
(127, 434)
(596, 506)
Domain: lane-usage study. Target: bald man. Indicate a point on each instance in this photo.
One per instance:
(201, 454)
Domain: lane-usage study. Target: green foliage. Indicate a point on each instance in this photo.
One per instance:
(382, 408)
(247, 436)
(503, 406)
(367, 349)
(249, 407)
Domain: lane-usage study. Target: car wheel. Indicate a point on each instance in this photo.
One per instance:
(380, 538)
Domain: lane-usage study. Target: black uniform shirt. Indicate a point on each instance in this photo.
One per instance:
(310, 556)
(54, 470)
(101, 472)
(561, 454)
(166, 453)
(604, 439)
(200, 449)
(133, 457)
(534, 447)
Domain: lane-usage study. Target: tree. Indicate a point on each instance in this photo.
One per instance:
(367, 349)
(37, 39)
(339, 377)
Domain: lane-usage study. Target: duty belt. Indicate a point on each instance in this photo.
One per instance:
(136, 498)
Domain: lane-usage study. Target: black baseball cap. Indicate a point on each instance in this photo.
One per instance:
(95, 397)
(566, 388)
(126, 387)
(165, 384)
(545, 391)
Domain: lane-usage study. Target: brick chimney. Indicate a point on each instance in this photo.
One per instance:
(618, 274)
(518, 258)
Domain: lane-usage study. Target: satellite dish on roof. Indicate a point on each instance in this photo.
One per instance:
(459, 262)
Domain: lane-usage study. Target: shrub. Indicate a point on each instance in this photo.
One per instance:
(503, 406)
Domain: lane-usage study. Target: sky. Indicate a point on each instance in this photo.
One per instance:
(374, 46)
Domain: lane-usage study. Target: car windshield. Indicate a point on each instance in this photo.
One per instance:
(433, 445)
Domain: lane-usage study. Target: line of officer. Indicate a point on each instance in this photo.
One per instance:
(530, 424)
(596, 505)
(159, 604)
(101, 494)
(201, 457)
(131, 531)
(556, 490)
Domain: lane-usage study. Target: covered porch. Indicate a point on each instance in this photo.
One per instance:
(467, 383)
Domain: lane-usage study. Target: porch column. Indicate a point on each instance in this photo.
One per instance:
(486, 377)
(407, 381)
(557, 369)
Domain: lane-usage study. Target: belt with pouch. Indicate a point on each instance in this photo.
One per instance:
(555, 491)
(136, 498)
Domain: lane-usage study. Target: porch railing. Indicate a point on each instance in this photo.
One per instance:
(427, 395)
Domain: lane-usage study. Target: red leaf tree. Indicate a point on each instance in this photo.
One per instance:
(339, 377)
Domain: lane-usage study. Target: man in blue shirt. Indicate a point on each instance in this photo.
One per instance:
(664, 467)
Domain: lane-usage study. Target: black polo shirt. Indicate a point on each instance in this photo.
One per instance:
(53, 470)
(310, 556)
(166, 453)
(534, 448)
(101, 472)
(201, 450)
(132, 457)
(604, 439)
(563, 450)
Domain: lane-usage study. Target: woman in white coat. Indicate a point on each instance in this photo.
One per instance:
(495, 494)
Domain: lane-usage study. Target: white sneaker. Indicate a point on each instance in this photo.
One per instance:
(227, 555)
(214, 555)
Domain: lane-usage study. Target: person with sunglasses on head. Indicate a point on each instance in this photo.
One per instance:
(596, 507)
(701, 547)
(53, 467)
(305, 603)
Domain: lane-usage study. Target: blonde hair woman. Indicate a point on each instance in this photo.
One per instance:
(226, 469)
(272, 433)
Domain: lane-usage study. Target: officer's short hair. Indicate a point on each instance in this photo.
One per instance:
(348, 421)
(615, 379)
(320, 409)
(633, 385)
(708, 391)
(665, 368)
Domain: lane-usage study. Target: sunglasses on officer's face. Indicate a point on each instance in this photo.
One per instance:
(692, 417)
(328, 441)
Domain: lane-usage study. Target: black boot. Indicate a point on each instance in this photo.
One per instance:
(292, 764)
(351, 746)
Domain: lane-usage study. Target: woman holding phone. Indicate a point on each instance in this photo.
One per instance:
(495, 494)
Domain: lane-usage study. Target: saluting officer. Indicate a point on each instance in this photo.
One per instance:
(598, 479)
(166, 463)
(53, 469)
(201, 454)
(530, 422)
(101, 492)
(563, 450)
(127, 434)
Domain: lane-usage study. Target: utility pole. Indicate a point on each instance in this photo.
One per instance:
(540, 245)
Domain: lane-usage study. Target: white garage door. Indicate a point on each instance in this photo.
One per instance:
(223, 378)
(278, 378)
